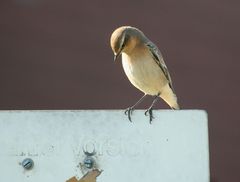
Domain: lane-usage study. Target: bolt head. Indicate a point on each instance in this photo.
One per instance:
(88, 162)
(27, 163)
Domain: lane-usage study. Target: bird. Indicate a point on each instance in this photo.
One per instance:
(144, 66)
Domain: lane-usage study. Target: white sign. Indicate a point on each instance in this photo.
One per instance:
(174, 148)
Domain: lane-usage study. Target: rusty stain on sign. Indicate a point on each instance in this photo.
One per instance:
(73, 179)
(91, 176)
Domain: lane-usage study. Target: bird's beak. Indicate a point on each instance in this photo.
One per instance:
(116, 56)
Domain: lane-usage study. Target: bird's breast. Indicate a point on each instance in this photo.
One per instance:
(144, 73)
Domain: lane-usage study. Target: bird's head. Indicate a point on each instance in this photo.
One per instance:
(124, 39)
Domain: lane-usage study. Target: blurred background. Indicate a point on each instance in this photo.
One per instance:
(55, 54)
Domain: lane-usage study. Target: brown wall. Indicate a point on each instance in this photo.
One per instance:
(55, 54)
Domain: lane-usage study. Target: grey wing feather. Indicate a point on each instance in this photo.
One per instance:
(159, 60)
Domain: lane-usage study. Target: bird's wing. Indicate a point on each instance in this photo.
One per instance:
(157, 56)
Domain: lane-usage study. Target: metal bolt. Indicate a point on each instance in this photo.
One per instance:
(88, 162)
(27, 163)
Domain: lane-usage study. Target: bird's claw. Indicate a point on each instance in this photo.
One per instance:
(149, 111)
(128, 112)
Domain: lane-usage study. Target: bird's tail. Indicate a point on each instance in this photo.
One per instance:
(169, 97)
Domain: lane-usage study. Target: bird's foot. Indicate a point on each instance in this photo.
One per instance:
(150, 113)
(128, 112)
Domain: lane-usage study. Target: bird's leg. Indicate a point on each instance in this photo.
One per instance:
(149, 110)
(129, 110)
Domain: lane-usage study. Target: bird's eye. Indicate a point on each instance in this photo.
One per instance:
(126, 38)
(123, 45)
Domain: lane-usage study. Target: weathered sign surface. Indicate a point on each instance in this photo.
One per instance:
(173, 148)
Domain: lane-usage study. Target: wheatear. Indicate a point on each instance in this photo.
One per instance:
(144, 67)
